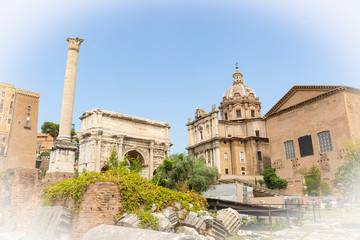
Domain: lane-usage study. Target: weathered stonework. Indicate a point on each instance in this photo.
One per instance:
(62, 153)
(238, 143)
(102, 131)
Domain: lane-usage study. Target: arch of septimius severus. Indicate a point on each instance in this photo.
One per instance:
(102, 131)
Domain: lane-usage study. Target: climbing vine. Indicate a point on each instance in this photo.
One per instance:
(137, 193)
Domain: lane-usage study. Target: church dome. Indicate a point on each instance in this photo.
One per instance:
(239, 87)
(242, 89)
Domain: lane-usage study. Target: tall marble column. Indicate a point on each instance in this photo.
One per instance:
(69, 89)
(62, 153)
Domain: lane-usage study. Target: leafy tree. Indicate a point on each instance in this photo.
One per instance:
(50, 128)
(314, 186)
(133, 164)
(272, 180)
(347, 175)
(182, 172)
(53, 130)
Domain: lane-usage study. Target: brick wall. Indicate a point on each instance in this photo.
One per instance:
(20, 191)
(100, 204)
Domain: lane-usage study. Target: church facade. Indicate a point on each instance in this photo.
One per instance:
(307, 127)
(237, 143)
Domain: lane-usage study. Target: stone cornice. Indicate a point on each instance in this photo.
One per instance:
(333, 90)
(234, 122)
(123, 116)
(263, 139)
(63, 145)
(202, 117)
(114, 138)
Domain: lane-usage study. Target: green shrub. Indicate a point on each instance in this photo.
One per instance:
(272, 180)
(136, 192)
(185, 172)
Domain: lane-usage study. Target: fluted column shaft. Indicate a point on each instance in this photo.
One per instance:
(67, 106)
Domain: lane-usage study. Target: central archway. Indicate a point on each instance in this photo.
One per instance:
(133, 154)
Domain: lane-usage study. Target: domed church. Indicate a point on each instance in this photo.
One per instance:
(236, 144)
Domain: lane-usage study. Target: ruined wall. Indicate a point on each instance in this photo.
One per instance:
(20, 191)
(100, 204)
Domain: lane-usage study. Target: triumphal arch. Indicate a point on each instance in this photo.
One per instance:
(102, 131)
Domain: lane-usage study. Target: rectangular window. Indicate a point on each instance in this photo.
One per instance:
(289, 149)
(325, 142)
(2, 103)
(252, 113)
(225, 156)
(27, 124)
(257, 133)
(226, 171)
(11, 104)
(242, 168)
(226, 117)
(243, 173)
(29, 108)
(2, 153)
(259, 156)
(12, 96)
(10, 111)
(1, 109)
(305, 146)
(242, 157)
(8, 120)
(3, 94)
(238, 113)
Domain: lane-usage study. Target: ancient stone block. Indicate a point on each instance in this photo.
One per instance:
(217, 231)
(50, 223)
(188, 231)
(192, 220)
(231, 219)
(171, 216)
(163, 223)
(106, 232)
(129, 220)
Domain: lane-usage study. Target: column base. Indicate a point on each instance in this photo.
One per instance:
(62, 157)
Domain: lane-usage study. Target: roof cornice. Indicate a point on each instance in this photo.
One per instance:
(333, 90)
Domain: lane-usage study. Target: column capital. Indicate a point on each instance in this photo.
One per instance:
(74, 43)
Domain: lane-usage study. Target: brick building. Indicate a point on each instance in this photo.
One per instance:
(18, 127)
(308, 126)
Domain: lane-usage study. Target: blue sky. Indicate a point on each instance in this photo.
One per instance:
(162, 59)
